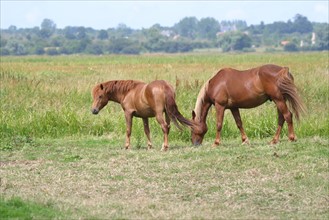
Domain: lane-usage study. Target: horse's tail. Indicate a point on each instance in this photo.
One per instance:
(289, 91)
(174, 114)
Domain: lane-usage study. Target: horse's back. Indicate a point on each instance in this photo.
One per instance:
(270, 71)
(159, 84)
(148, 98)
(234, 77)
(243, 88)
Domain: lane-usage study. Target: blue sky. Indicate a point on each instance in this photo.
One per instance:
(143, 14)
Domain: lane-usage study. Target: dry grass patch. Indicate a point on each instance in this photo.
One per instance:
(88, 178)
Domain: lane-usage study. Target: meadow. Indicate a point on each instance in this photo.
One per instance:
(59, 161)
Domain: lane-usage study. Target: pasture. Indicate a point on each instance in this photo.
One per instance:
(59, 161)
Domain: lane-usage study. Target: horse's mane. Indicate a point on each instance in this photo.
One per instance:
(200, 100)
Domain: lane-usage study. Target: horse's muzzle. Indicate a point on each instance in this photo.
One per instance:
(94, 111)
(196, 143)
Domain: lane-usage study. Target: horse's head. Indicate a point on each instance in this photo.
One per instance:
(198, 130)
(100, 98)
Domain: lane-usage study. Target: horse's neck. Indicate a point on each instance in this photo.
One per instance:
(202, 113)
(202, 106)
(114, 94)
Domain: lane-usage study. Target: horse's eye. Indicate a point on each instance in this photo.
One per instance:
(100, 97)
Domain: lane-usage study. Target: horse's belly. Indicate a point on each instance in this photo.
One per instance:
(250, 102)
(144, 113)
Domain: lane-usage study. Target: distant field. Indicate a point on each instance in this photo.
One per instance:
(58, 157)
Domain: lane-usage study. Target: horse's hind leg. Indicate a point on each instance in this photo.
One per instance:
(165, 129)
(278, 131)
(237, 118)
(167, 121)
(147, 132)
(287, 116)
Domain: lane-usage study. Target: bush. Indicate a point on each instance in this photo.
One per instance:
(4, 52)
(51, 51)
(290, 47)
(132, 49)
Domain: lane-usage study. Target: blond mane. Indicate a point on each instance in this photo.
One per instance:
(200, 101)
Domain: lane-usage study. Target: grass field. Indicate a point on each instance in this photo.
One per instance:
(59, 161)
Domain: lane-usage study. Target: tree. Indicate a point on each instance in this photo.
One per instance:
(187, 27)
(12, 29)
(81, 33)
(302, 25)
(48, 27)
(16, 48)
(74, 46)
(208, 28)
(123, 30)
(188, 34)
(123, 45)
(4, 51)
(95, 48)
(322, 41)
(279, 27)
(154, 40)
(3, 41)
(102, 35)
(290, 47)
(241, 41)
(69, 33)
(234, 41)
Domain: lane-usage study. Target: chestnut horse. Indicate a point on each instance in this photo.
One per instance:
(141, 100)
(233, 89)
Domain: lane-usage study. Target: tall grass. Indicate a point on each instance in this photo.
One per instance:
(50, 96)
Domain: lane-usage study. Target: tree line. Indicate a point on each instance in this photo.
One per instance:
(186, 35)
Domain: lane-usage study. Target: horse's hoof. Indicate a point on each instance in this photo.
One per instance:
(214, 145)
(292, 139)
(274, 142)
(164, 148)
(246, 142)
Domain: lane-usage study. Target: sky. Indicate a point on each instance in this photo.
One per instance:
(106, 14)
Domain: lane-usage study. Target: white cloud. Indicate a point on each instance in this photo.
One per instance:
(235, 14)
(321, 8)
(33, 16)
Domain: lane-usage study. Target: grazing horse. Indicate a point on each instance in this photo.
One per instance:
(233, 89)
(141, 100)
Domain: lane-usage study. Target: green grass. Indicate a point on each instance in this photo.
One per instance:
(56, 157)
(16, 208)
(50, 96)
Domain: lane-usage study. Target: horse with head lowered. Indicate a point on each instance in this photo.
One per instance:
(233, 89)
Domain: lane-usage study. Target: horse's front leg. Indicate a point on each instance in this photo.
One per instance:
(128, 117)
(238, 121)
(147, 132)
(220, 116)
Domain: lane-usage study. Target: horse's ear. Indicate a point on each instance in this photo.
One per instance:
(193, 114)
(102, 87)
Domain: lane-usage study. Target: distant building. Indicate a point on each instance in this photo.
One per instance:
(313, 38)
(285, 42)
